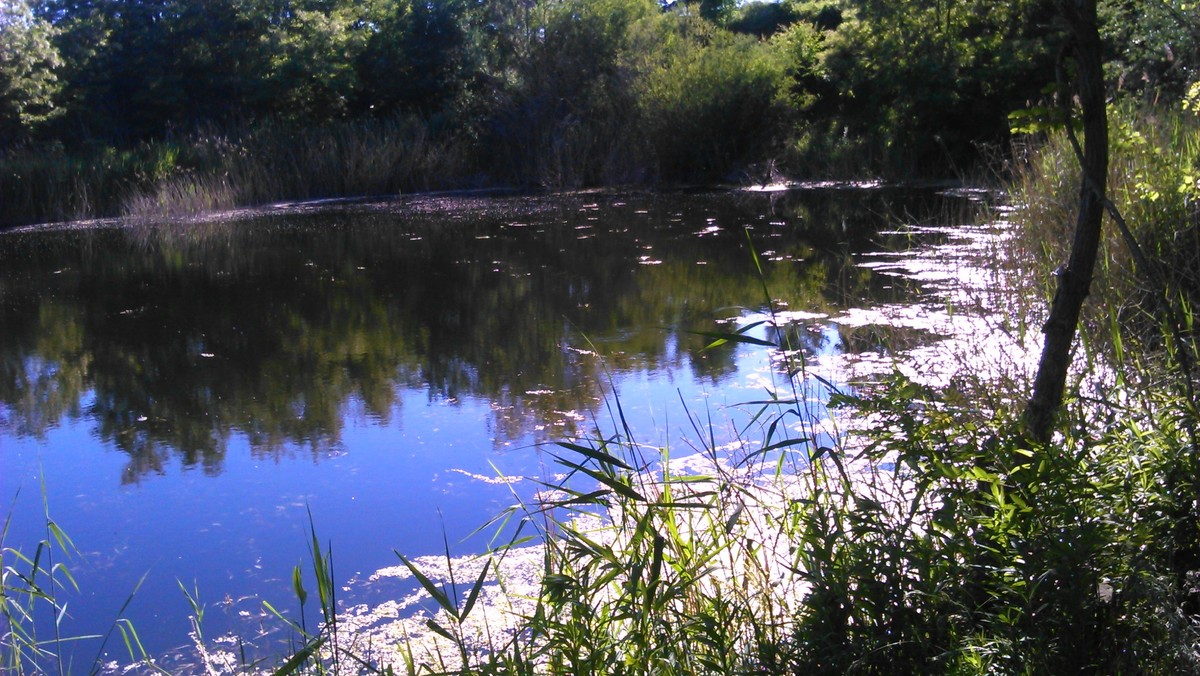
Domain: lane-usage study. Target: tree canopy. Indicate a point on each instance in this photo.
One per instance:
(576, 91)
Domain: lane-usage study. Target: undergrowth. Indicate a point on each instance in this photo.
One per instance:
(1149, 259)
(208, 170)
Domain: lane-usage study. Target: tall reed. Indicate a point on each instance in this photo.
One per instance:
(1154, 183)
(211, 170)
(35, 590)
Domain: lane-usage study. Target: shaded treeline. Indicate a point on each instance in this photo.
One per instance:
(146, 106)
(111, 106)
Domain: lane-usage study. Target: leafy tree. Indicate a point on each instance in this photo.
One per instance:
(28, 82)
(313, 51)
(717, 11)
(927, 79)
(712, 102)
(761, 18)
(220, 54)
(415, 59)
(1154, 45)
(83, 38)
(562, 108)
(134, 69)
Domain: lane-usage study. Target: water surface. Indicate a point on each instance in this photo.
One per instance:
(188, 392)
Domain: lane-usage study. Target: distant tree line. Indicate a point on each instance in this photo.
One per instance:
(573, 92)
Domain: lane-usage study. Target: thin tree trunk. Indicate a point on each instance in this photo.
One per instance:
(1075, 279)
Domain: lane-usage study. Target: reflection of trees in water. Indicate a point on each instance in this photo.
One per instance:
(43, 366)
(271, 328)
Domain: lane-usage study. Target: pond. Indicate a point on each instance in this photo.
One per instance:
(180, 397)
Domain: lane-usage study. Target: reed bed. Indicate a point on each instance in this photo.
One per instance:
(210, 170)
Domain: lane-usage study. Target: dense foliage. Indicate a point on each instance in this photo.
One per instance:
(104, 100)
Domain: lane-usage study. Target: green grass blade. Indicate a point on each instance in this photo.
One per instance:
(475, 589)
(437, 593)
(595, 454)
(722, 337)
(440, 630)
(300, 657)
(612, 482)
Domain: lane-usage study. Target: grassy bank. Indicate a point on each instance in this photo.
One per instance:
(210, 170)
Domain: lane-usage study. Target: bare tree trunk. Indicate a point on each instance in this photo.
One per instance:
(1075, 279)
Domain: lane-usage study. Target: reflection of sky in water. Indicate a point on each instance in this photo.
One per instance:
(233, 522)
(400, 485)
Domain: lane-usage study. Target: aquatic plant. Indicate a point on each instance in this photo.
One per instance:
(35, 590)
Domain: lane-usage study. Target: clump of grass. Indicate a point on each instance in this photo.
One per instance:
(185, 175)
(35, 589)
(184, 196)
(1154, 183)
(31, 588)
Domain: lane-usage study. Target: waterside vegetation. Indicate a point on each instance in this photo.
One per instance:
(173, 106)
(935, 536)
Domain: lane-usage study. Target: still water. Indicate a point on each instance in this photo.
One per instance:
(187, 394)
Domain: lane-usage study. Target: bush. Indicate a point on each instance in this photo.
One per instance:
(712, 102)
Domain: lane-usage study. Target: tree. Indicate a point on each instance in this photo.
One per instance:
(1154, 44)
(1074, 280)
(313, 52)
(924, 80)
(415, 58)
(28, 82)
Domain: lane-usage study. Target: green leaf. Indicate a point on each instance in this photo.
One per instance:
(436, 592)
(612, 482)
(298, 586)
(297, 660)
(475, 589)
(595, 454)
(739, 336)
(439, 630)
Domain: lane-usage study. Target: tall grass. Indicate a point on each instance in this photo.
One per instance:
(927, 542)
(212, 170)
(51, 184)
(1154, 183)
(35, 590)
(274, 162)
